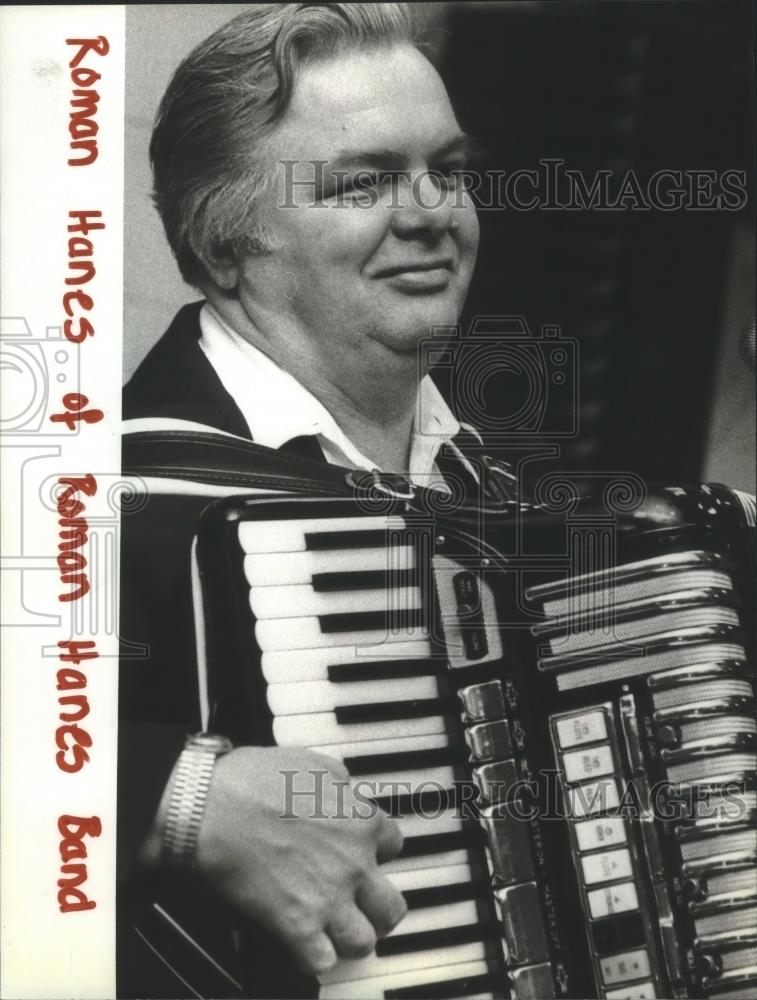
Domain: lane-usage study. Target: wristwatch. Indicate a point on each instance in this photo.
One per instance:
(189, 793)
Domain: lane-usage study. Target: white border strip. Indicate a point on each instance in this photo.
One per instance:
(49, 952)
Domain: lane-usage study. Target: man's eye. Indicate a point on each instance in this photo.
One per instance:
(451, 176)
(347, 185)
(363, 181)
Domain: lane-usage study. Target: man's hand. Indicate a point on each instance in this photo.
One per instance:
(311, 877)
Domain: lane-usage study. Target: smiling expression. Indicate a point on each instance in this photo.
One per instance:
(374, 244)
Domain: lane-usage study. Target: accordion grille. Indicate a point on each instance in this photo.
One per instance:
(645, 627)
(731, 920)
(702, 691)
(668, 659)
(637, 590)
(727, 843)
(724, 725)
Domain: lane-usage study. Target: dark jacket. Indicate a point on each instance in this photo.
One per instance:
(175, 379)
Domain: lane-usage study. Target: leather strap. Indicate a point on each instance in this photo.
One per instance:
(189, 452)
(223, 459)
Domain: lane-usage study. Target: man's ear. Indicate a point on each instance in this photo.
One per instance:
(221, 264)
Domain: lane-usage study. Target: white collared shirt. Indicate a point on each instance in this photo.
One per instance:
(278, 408)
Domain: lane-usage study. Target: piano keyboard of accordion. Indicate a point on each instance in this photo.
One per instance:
(405, 648)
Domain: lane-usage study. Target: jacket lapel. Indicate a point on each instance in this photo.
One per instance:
(175, 379)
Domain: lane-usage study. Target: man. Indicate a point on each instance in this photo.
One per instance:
(305, 160)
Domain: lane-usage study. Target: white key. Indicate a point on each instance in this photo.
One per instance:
(300, 599)
(323, 696)
(270, 570)
(434, 918)
(418, 826)
(369, 989)
(433, 861)
(434, 958)
(322, 729)
(428, 879)
(414, 867)
(289, 536)
(405, 745)
(312, 664)
(404, 781)
(305, 633)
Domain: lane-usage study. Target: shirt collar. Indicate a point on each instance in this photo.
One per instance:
(278, 408)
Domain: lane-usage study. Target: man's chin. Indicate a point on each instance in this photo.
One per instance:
(409, 341)
(427, 321)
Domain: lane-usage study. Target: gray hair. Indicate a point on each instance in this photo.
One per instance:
(225, 99)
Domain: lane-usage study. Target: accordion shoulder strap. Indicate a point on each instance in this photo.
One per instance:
(165, 448)
(172, 449)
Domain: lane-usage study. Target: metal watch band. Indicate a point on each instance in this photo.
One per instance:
(189, 794)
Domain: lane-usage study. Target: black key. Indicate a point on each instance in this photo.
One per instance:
(449, 989)
(391, 620)
(385, 711)
(384, 670)
(377, 763)
(379, 579)
(429, 802)
(324, 541)
(440, 895)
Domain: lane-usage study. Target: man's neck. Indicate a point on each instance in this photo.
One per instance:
(384, 437)
(372, 395)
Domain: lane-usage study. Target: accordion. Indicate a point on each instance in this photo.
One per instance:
(555, 702)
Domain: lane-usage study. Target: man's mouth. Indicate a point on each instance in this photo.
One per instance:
(420, 277)
(417, 267)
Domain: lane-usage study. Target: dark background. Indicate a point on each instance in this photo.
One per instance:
(648, 295)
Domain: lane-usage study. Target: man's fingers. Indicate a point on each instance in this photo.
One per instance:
(388, 840)
(352, 933)
(314, 953)
(382, 904)
(335, 767)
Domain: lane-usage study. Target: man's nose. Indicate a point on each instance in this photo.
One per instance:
(422, 201)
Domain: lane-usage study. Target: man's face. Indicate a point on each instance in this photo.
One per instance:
(372, 251)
